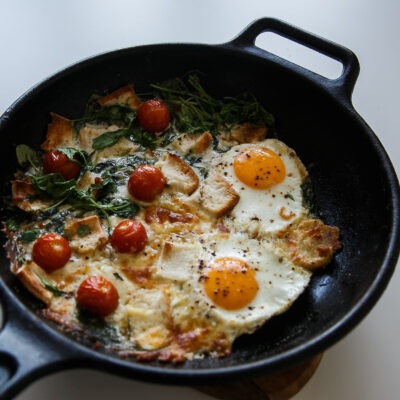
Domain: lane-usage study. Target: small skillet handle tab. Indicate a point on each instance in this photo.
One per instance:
(345, 83)
(27, 351)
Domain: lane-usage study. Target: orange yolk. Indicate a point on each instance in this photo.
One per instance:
(259, 168)
(230, 283)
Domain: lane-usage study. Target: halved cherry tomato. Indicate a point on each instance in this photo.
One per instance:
(153, 115)
(51, 251)
(56, 161)
(129, 236)
(146, 183)
(98, 296)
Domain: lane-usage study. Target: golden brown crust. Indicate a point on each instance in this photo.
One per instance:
(218, 196)
(124, 95)
(26, 272)
(32, 282)
(247, 133)
(94, 239)
(179, 175)
(311, 244)
(195, 143)
(202, 143)
(60, 133)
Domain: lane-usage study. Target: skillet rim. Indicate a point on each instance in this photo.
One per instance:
(276, 362)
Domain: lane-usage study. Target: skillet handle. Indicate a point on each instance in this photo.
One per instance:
(27, 350)
(342, 85)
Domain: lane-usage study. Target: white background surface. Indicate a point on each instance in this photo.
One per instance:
(39, 38)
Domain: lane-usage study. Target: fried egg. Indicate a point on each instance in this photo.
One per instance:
(268, 176)
(233, 283)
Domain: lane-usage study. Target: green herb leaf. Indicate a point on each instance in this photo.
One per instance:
(108, 139)
(53, 185)
(116, 114)
(83, 230)
(118, 276)
(12, 225)
(289, 196)
(29, 236)
(144, 138)
(195, 110)
(79, 156)
(26, 155)
(51, 288)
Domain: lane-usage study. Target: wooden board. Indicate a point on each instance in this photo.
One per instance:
(281, 386)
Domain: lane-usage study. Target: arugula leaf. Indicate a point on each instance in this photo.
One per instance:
(134, 133)
(26, 155)
(122, 208)
(53, 185)
(108, 139)
(116, 114)
(29, 236)
(144, 138)
(79, 156)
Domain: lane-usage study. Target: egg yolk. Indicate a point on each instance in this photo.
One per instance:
(230, 283)
(259, 168)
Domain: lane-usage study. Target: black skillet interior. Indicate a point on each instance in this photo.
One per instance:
(355, 188)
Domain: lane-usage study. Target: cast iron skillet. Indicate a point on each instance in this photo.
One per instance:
(354, 182)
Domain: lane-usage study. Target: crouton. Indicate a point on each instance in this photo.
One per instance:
(178, 174)
(124, 95)
(60, 133)
(247, 133)
(178, 261)
(22, 192)
(311, 244)
(85, 235)
(196, 143)
(217, 195)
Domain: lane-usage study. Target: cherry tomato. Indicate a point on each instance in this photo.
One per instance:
(57, 161)
(51, 251)
(146, 183)
(98, 296)
(153, 115)
(129, 236)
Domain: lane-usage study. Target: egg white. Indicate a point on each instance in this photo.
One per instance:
(264, 212)
(280, 282)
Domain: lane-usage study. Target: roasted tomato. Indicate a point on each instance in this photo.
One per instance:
(153, 115)
(51, 251)
(97, 296)
(56, 161)
(129, 236)
(146, 183)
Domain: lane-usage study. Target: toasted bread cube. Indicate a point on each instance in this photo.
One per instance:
(196, 143)
(178, 261)
(124, 95)
(311, 244)
(178, 174)
(85, 235)
(60, 133)
(217, 195)
(247, 133)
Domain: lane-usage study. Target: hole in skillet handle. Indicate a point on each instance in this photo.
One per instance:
(300, 55)
(341, 86)
(8, 367)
